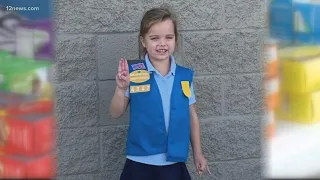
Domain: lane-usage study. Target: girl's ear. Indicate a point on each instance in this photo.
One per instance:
(142, 42)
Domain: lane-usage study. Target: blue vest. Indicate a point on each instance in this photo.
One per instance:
(147, 133)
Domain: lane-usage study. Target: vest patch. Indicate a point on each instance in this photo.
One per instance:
(139, 76)
(186, 88)
(138, 66)
(140, 88)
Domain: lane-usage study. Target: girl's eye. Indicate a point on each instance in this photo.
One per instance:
(170, 37)
(154, 38)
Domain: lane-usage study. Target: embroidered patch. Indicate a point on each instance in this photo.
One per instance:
(186, 88)
(138, 66)
(140, 88)
(139, 76)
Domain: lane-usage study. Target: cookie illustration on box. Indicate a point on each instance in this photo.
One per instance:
(36, 87)
(26, 38)
(8, 22)
(4, 132)
(34, 39)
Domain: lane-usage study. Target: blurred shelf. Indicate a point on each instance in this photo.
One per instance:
(294, 152)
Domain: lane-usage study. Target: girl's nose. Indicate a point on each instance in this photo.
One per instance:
(162, 42)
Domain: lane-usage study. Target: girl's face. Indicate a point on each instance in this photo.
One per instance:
(160, 40)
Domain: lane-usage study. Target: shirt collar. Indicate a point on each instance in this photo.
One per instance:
(151, 68)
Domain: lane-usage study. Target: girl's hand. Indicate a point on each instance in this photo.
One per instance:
(201, 164)
(123, 78)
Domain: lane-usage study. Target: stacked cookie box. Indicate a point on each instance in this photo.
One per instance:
(27, 121)
(295, 25)
(271, 86)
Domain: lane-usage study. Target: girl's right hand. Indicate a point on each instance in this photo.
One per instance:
(123, 78)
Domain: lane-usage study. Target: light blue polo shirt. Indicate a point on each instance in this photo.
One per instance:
(165, 87)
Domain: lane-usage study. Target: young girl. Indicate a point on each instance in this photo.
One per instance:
(163, 118)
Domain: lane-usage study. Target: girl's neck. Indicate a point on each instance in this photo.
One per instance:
(163, 67)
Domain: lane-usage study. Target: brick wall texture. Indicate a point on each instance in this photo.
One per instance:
(220, 40)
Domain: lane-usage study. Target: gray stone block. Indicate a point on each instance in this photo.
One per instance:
(243, 94)
(148, 4)
(98, 16)
(219, 53)
(113, 147)
(111, 175)
(178, 54)
(249, 169)
(75, 58)
(110, 48)
(208, 96)
(119, 16)
(106, 92)
(194, 175)
(76, 104)
(80, 177)
(76, 16)
(238, 15)
(202, 15)
(231, 138)
(79, 151)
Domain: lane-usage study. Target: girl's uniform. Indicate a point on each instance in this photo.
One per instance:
(157, 149)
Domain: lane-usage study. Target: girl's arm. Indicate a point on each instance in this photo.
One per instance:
(195, 131)
(120, 98)
(199, 160)
(119, 103)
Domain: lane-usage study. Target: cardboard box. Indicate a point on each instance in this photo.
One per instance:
(295, 21)
(307, 22)
(270, 59)
(271, 93)
(18, 167)
(301, 108)
(25, 76)
(281, 20)
(8, 95)
(15, 104)
(269, 124)
(27, 135)
(300, 69)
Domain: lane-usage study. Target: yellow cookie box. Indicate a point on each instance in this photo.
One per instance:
(300, 69)
(301, 108)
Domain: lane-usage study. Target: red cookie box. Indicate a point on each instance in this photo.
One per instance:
(9, 95)
(28, 135)
(18, 167)
(20, 105)
(8, 99)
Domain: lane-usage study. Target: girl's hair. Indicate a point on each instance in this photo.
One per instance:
(152, 17)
